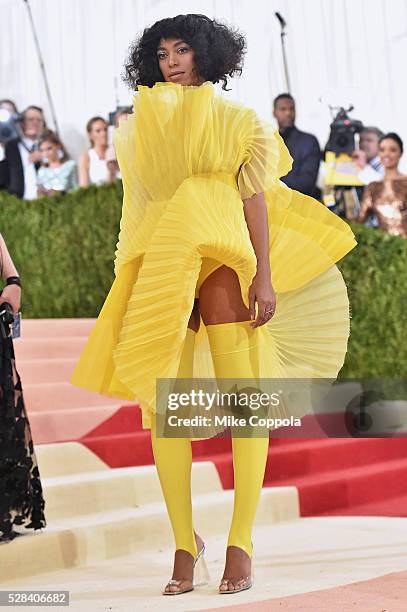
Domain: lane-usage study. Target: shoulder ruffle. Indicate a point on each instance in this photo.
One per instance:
(266, 159)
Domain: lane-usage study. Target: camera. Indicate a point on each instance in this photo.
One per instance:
(341, 177)
(9, 125)
(6, 313)
(9, 321)
(119, 109)
(343, 130)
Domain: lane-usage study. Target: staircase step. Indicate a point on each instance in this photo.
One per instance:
(126, 419)
(66, 458)
(318, 456)
(55, 370)
(388, 506)
(42, 328)
(85, 540)
(62, 425)
(109, 490)
(55, 396)
(340, 488)
(61, 347)
(122, 450)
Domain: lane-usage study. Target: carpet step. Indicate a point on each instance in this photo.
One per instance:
(293, 461)
(387, 506)
(66, 458)
(325, 552)
(55, 370)
(339, 489)
(134, 448)
(41, 328)
(88, 539)
(61, 425)
(122, 450)
(59, 347)
(107, 490)
(55, 396)
(316, 456)
(126, 419)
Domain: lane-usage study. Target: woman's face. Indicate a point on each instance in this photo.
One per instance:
(98, 133)
(49, 152)
(390, 153)
(176, 62)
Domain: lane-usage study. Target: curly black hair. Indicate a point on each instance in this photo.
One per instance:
(218, 48)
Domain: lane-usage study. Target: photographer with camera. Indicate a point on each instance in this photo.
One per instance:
(19, 156)
(21, 499)
(9, 106)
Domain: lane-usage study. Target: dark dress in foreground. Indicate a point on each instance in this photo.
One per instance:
(21, 498)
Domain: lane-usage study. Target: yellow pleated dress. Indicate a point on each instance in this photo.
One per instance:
(187, 158)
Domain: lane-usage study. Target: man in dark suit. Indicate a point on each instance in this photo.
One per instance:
(303, 147)
(20, 159)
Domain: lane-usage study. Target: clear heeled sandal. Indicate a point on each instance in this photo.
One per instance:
(199, 578)
(242, 584)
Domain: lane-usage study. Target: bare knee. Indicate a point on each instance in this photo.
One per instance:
(220, 298)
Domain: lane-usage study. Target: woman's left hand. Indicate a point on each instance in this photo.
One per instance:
(262, 292)
(12, 295)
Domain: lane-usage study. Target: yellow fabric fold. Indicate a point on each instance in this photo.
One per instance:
(188, 157)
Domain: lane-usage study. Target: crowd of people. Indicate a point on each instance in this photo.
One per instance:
(382, 201)
(38, 164)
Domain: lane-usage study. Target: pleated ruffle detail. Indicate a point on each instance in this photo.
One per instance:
(187, 159)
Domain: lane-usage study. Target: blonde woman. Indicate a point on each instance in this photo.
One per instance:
(93, 164)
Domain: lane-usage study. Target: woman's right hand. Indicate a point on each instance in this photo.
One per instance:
(12, 295)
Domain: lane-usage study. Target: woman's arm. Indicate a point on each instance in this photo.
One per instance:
(83, 170)
(261, 290)
(10, 293)
(8, 268)
(366, 206)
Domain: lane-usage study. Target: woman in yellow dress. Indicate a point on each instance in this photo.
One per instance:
(221, 270)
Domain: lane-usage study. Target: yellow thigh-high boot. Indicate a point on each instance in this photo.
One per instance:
(173, 460)
(236, 352)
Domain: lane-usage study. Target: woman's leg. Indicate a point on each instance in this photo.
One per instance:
(236, 352)
(173, 460)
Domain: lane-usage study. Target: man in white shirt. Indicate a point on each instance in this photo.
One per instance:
(367, 156)
(20, 158)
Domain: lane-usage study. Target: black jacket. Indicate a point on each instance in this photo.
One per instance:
(305, 151)
(11, 170)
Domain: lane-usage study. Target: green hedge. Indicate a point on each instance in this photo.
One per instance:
(64, 249)
(376, 276)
